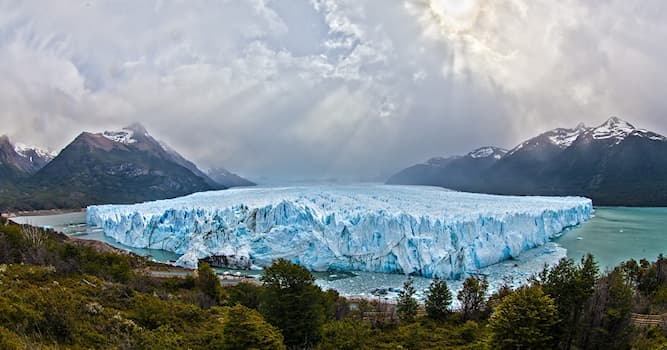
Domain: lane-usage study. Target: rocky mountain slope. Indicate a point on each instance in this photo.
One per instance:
(124, 166)
(614, 163)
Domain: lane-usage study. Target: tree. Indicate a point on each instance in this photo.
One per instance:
(438, 299)
(208, 282)
(246, 294)
(524, 320)
(607, 319)
(293, 303)
(571, 286)
(406, 306)
(244, 328)
(472, 297)
(346, 335)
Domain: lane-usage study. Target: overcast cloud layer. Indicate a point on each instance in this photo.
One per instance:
(328, 88)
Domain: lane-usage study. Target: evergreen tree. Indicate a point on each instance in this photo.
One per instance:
(407, 306)
(571, 286)
(524, 320)
(293, 303)
(208, 282)
(438, 300)
(472, 297)
(244, 328)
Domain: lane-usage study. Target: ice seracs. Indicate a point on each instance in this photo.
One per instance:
(414, 230)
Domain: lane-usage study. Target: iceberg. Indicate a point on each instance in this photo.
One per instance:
(425, 231)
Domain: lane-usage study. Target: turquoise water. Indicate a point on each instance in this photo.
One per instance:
(613, 235)
(617, 234)
(74, 224)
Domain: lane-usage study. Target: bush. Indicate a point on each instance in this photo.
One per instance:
(246, 294)
(346, 335)
(10, 341)
(524, 320)
(244, 328)
(208, 282)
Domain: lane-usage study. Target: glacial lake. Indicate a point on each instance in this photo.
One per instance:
(613, 235)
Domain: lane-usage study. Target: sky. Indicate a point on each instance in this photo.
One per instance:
(318, 89)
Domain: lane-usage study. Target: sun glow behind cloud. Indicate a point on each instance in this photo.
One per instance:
(469, 27)
(328, 87)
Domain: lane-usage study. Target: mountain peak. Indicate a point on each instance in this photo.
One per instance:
(617, 123)
(137, 128)
(613, 128)
(128, 135)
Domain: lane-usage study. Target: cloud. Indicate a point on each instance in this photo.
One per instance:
(327, 88)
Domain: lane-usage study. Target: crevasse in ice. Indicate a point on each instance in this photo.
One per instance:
(425, 231)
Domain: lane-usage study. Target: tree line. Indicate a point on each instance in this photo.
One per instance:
(55, 293)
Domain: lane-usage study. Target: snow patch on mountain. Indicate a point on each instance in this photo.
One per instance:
(486, 152)
(25, 151)
(405, 229)
(564, 138)
(613, 128)
(124, 136)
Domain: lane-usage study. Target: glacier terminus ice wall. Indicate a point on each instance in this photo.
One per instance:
(426, 231)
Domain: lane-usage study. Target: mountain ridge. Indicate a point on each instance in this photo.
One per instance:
(614, 163)
(123, 166)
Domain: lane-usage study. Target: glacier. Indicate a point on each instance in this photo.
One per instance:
(425, 231)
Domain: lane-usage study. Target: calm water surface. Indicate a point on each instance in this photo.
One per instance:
(617, 234)
(613, 235)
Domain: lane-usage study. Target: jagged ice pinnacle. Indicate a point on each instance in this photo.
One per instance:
(426, 231)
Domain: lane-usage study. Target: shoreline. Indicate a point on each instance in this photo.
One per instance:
(42, 212)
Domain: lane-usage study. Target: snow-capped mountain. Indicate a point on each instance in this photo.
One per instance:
(486, 152)
(560, 138)
(614, 163)
(122, 166)
(459, 172)
(17, 160)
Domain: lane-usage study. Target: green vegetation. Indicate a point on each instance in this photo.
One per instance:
(57, 293)
(407, 306)
(473, 297)
(524, 320)
(438, 300)
(293, 303)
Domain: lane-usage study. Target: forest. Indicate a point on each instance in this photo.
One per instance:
(60, 293)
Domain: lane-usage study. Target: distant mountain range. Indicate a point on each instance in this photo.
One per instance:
(613, 164)
(125, 166)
